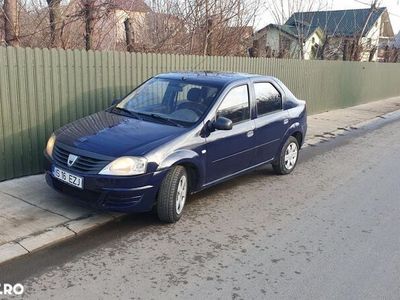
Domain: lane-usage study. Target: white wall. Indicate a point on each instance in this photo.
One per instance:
(272, 41)
(138, 21)
(372, 39)
(309, 43)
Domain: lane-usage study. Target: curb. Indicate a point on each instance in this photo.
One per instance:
(341, 131)
(53, 235)
(71, 229)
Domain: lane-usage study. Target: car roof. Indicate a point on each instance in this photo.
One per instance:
(210, 77)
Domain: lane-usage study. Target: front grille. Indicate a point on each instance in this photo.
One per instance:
(84, 164)
(98, 200)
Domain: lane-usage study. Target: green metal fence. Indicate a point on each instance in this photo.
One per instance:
(41, 89)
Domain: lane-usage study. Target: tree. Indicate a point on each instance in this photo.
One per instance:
(213, 27)
(89, 18)
(11, 23)
(357, 49)
(202, 27)
(130, 37)
(97, 21)
(55, 22)
(282, 10)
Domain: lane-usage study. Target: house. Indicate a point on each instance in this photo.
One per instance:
(108, 27)
(112, 27)
(227, 40)
(396, 41)
(166, 32)
(283, 41)
(219, 37)
(391, 52)
(330, 34)
(151, 30)
(235, 40)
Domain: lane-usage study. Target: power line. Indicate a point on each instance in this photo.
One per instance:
(365, 3)
(369, 4)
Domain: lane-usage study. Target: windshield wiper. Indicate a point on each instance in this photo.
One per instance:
(127, 111)
(158, 117)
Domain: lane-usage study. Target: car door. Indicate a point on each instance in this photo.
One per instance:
(230, 151)
(272, 121)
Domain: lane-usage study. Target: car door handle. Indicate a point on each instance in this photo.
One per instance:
(250, 133)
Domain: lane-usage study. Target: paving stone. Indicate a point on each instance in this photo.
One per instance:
(19, 219)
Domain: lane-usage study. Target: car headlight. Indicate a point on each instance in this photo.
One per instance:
(50, 145)
(125, 166)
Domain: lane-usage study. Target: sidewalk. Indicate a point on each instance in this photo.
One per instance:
(34, 216)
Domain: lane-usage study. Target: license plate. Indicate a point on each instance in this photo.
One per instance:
(68, 178)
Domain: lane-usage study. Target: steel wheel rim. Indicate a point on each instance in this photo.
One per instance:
(291, 156)
(181, 193)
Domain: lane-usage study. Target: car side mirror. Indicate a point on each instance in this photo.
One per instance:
(222, 123)
(115, 101)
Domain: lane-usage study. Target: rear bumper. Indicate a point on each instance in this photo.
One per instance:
(112, 193)
(304, 129)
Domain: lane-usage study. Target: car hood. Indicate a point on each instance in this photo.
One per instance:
(115, 135)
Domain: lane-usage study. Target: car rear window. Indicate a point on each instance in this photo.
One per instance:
(268, 98)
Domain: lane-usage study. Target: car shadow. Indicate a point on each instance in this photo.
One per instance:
(110, 234)
(261, 172)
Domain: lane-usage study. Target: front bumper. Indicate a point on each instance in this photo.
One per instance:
(111, 193)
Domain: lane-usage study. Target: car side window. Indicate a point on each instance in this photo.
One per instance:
(268, 98)
(235, 105)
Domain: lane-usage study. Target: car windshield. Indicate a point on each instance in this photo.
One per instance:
(172, 101)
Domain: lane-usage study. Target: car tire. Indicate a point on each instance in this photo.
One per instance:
(172, 195)
(288, 157)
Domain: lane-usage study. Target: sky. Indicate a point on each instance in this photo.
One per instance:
(393, 7)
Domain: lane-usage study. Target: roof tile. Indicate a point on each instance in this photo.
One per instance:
(337, 22)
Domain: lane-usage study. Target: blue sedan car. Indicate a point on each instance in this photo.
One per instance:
(176, 134)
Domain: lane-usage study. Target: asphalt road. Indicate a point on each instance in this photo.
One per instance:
(331, 230)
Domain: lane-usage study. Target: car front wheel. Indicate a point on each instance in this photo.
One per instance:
(287, 160)
(172, 195)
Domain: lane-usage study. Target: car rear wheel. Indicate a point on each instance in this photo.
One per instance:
(288, 157)
(172, 195)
